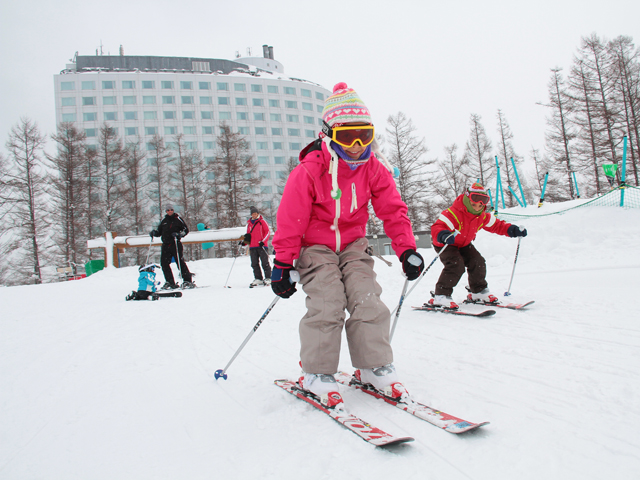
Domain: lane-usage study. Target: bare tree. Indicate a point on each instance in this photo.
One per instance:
(27, 185)
(406, 153)
(506, 153)
(477, 152)
(159, 155)
(449, 180)
(69, 194)
(111, 155)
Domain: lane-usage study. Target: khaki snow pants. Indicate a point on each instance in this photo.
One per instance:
(334, 282)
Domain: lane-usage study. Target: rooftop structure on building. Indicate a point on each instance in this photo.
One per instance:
(141, 96)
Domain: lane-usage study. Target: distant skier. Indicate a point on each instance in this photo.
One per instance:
(467, 215)
(147, 285)
(321, 222)
(172, 228)
(257, 237)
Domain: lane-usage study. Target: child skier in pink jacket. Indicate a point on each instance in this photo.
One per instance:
(321, 223)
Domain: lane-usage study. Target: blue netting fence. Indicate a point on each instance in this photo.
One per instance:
(624, 197)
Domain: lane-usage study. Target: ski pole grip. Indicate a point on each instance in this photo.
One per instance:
(294, 276)
(415, 261)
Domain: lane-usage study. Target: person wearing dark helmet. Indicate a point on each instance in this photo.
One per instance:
(457, 227)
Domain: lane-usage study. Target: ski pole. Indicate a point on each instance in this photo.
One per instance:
(149, 251)
(232, 264)
(294, 277)
(508, 292)
(413, 260)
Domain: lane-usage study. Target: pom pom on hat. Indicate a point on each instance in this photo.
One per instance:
(345, 106)
(477, 188)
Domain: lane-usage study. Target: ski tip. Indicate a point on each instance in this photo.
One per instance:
(487, 313)
(220, 374)
(389, 442)
(464, 426)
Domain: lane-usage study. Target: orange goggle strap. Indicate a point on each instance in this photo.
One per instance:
(331, 133)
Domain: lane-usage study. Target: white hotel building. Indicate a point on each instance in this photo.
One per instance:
(141, 96)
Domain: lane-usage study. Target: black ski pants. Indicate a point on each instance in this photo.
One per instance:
(455, 261)
(169, 251)
(260, 254)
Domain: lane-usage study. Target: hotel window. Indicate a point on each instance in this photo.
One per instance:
(130, 130)
(289, 91)
(187, 100)
(67, 85)
(261, 131)
(168, 100)
(204, 85)
(239, 87)
(276, 131)
(305, 92)
(150, 115)
(206, 115)
(319, 108)
(293, 118)
(170, 130)
(89, 117)
(261, 146)
(148, 84)
(150, 130)
(274, 103)
(191, 145)
(272, 89)
(257, 102)
(186, 85)
(207, 130)
(108, 84)
(310, 133)
(223, 100)
(293, 132)
(264, 174)
(166, 84)
(290, 104)
(265, 189)
(148, 99)
(256, 88)
(130, 115)
(278, 160)
(90, 132)
(188, 115)
(224, 115)
(110, 116)
(263, 160)
(320, 96)
(109, 100)
(68, 101)
(309, 120)
(280, 175)
(169, 115)
(205, 100)
(243, 130)
(223, 86)
(88, 101)
(307, 106)
(208, 145)
(295, 146)
(189, 130)
(129, 100)
(88, 85)
(128, 84)
(258, 117)
(242, 115)
(277, 145)
(241, 101)
(275, 117)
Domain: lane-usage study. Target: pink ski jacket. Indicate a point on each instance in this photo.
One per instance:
(309, 215)
(259, 230)
(457, 217)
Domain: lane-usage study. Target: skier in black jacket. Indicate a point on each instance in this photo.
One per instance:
(171, 229)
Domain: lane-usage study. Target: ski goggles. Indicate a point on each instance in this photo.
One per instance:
(348, 135)
(479, 198)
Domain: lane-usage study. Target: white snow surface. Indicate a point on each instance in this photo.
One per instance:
(94, 387)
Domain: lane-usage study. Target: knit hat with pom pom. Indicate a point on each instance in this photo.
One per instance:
(345, 106)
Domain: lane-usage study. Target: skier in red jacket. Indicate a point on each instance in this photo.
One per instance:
(257, 237)
(457, 227)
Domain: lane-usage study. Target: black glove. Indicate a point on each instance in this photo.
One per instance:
(154, 233)
(261, 244)
(177, 235)
(515, 231)
(410, 270)
(280, 280)
(246, 240)
(446, 237)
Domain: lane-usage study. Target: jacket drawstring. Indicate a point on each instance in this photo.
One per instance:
(354, 198)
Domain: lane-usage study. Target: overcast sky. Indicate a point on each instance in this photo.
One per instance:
(437, 63)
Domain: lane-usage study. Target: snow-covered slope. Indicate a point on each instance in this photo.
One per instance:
(93, 387)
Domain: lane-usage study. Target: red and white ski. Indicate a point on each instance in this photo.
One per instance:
(364, 430)
(429, 308)
(511, 306)
(440, 419)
